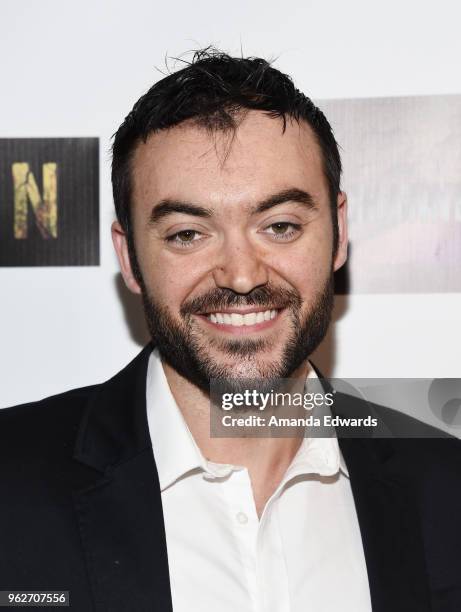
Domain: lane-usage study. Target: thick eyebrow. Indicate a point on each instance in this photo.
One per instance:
(167, 207)
(289, 195)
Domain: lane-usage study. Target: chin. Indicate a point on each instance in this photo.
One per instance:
(259, 364)
(249, 370)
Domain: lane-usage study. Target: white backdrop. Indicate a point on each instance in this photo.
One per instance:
(75, 68)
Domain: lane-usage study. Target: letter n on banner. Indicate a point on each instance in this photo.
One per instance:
(49, 202)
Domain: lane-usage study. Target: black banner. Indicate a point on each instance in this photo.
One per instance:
(49, 202)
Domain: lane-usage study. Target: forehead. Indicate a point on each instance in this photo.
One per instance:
(257, 159)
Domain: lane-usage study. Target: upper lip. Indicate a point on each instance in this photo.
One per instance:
(241, 311)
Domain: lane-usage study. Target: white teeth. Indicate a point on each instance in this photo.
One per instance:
(250, 318)
(237, 320)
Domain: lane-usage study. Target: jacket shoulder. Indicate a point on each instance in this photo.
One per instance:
(39, 426)
(40, 408)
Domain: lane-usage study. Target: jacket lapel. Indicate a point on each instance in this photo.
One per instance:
(387, 508)
(389, 523)
(120, 512)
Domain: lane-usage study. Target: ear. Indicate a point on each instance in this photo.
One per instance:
(341, 252)
(121, 248)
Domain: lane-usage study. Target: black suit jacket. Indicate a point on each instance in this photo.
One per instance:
(80, 505)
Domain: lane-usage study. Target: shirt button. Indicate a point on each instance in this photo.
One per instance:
(242, 518)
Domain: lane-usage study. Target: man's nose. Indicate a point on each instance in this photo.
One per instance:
(239, 266)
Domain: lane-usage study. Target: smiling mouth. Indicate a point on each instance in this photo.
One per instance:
(256, 319)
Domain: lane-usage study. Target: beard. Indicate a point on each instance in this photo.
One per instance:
(185, 348)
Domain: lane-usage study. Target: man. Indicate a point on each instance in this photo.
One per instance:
(231, 223)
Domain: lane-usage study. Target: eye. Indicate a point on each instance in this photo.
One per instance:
(184, 238)
(283, 230)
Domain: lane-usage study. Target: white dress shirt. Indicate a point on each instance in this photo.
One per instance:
(305, 552)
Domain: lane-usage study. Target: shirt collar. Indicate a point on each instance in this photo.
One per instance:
(176, 453)
(317, 455)
(321, 456)
(175, 450)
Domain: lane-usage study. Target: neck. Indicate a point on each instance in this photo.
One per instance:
(266, 459)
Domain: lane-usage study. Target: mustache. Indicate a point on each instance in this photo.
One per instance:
(219, 298)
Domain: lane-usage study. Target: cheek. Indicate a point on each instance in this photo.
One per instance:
(169, 278)
(306, 277)
(306, 266)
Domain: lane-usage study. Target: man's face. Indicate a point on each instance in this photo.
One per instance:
(234, 242)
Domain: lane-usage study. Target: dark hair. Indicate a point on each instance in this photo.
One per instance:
(212, 89)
